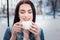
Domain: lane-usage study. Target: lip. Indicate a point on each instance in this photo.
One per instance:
(26, 19)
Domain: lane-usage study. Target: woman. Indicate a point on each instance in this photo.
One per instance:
(25, 11)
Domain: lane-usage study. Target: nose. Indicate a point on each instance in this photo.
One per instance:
(26, 14)
(26, 17)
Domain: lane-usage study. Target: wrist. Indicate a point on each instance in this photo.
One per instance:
(37, 37)
(13, 37)
(13, 34)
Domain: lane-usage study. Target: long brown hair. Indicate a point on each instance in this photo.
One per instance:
(16, 18)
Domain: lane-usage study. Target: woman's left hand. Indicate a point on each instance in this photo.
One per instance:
(35, 29)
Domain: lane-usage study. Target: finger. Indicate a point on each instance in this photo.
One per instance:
(19, 26)
(35, 32)
(18, 23)
(33, 23)
(17, 29)
(35, 27)
(31, 31)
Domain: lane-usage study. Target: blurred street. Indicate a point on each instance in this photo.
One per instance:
(48, 17)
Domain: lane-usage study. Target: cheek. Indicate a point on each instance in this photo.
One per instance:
(32, 17)
(20, 16)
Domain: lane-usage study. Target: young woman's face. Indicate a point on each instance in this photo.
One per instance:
(25, 12)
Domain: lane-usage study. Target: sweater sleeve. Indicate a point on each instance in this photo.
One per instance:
(41, 34)
(7, 34)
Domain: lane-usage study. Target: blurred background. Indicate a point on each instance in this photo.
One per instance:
(48, 16)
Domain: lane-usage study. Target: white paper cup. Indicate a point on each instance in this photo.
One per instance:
(26, 24)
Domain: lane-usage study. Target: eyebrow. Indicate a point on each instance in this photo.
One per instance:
(30, 10)
(24, 10)
(21, 10)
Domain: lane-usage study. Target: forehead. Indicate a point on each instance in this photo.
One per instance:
(25, 7)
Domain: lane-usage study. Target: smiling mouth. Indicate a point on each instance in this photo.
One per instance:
(26, 19)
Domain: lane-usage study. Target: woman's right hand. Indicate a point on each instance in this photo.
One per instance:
(16, 28)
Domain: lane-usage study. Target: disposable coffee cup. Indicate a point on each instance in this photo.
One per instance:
(26, 24)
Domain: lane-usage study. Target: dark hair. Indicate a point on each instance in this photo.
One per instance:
(16, 18)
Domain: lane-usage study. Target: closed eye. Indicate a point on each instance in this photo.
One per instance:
(29, 12)
(22, 12)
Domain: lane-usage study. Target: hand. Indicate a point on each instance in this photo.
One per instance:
(34, 29)
(16, 28)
